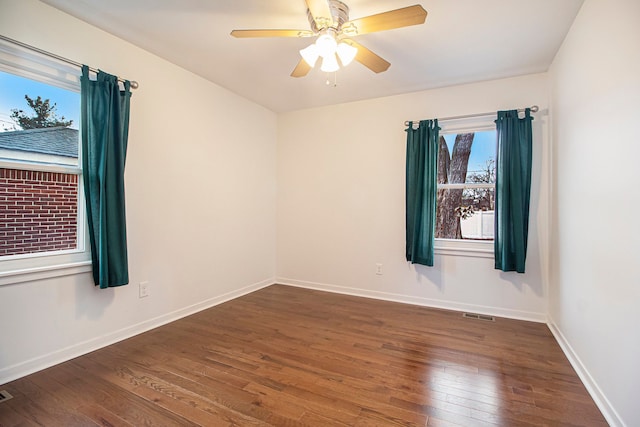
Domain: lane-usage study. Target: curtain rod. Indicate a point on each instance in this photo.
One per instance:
(134, 84)
(534, 109)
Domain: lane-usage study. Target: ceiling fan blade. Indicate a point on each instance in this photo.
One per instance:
(321, 13)
(369, 59)
(411, 15)
(271, 33)
(301, 70)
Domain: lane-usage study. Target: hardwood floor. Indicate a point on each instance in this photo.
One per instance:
(285, 356)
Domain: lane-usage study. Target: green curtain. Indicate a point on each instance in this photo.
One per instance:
(104, 132)
(421, 191)
(513, 189)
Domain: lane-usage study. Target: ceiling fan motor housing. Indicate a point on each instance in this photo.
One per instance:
(339, 14)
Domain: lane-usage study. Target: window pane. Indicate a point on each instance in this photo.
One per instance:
(465, 214)
(38, 122)
(467, 157)
(38, 200)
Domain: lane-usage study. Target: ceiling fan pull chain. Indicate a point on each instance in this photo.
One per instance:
(335, 80)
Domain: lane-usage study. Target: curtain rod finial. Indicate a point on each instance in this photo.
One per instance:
(134, 85)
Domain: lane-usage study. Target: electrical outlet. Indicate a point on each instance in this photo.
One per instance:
(379, 269)
(144, 290)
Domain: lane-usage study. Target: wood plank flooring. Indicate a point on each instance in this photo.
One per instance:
(285, 356)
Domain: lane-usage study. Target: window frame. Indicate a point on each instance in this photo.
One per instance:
(461, 247)
(21, 268)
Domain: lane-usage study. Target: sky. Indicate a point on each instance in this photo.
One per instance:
(482, 149)
(13, 89)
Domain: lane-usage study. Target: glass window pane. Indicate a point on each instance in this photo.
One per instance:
(38, 122)
(465, 214)
(38, 130)
(467, 157)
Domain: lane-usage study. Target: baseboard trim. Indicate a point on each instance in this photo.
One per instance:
(590, 384)
(39, 363)
(425, 302)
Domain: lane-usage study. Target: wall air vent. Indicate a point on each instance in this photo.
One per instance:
(479, 317)
(4, 396)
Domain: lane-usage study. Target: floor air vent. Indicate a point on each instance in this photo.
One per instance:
(4, 396)
(479, 317)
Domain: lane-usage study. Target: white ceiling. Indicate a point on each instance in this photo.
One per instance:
(462, 41)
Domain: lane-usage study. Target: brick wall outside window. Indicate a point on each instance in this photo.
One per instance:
(38, 211)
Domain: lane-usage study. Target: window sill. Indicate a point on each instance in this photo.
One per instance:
(465, 248)
(40, 273)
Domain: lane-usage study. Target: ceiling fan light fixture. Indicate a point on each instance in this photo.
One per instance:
(330, 64)
(346, 53)
(326, 44)
(310, 55)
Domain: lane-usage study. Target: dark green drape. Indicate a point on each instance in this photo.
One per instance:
(513, 189)
(421, 191)
(105, 129)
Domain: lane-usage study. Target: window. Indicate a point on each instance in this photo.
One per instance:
(466, 188)
(42, 225)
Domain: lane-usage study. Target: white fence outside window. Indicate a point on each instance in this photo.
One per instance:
(478, 226)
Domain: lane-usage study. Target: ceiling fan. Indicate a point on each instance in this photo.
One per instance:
(329, 21)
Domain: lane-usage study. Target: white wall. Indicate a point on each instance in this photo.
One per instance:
(594, 280)
(200, 189)
(341, 177)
